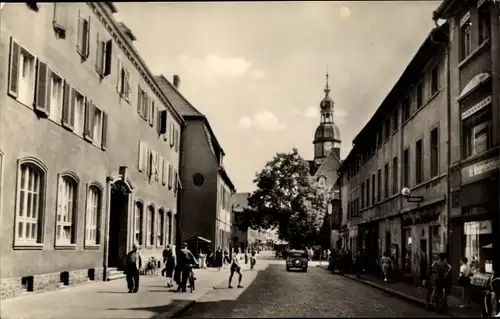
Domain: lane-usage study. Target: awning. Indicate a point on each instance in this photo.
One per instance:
(198, 239)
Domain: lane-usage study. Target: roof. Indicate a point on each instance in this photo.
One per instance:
(443, 9)
(183, 106)
(239, 201)
(426, 51)
(327, 131)
(226, 178)
(197, 238)
(312, 167)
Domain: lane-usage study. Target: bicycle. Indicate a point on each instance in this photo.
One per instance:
(191, 278)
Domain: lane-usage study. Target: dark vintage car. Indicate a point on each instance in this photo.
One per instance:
(297, 259)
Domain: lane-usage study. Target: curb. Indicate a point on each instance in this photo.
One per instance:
(393, 292)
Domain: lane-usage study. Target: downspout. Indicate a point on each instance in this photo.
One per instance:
(177, 217)
(446, 47)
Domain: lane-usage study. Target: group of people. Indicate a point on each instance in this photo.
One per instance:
(178, 266)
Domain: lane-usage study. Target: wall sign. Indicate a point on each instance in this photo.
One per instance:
(479, 106)
(475, 82)
(480, 168)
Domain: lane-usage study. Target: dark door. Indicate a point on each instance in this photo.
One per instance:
(117, 228)
(424, 258)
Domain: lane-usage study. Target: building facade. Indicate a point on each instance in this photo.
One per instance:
(84, 144)
(474, 133)
(207, 189)
(404, 145)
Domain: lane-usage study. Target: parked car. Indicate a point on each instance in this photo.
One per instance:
(297, 259)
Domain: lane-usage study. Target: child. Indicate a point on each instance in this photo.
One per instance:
(252, 260)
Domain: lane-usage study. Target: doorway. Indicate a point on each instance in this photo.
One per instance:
(387, 242)
(118, 217)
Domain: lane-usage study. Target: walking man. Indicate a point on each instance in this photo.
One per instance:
(169, 260)
(133, 265)
(235, 268)
(184, 259)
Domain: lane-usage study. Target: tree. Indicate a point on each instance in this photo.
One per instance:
(286, 198)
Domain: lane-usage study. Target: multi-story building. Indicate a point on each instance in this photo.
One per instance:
(85, 147)
(205, 199)
(474, 133)
(404, 145)
(242, 237)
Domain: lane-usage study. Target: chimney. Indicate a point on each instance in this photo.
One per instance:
(177, 81)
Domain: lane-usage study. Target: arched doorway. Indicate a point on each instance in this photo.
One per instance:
(118, 223)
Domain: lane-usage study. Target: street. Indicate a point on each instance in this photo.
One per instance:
(274, 292)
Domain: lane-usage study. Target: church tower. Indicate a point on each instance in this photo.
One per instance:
(327, 135)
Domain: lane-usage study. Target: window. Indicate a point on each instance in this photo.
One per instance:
(477, 133)
(142, 102)
(373, 189)
(395, 120)
(379, 185)
(60, 21)
(386, 180)
(418, 162)
(83, 44)
(434, 80)
(321, 181)
(79, 116)
(169, 228)
(66, 210)
(484, 23)
(97, 126)
(150, 226)
(395, 175)
(465, 36)
(22, 72)
(434, 152)
(93, 216)
(420, 95)
(139, 214)
(406, 109)
(406, 168)
(123, 82)
(160, 230)
(103, 58)
(387, 128)
(362, 195)
(368, 192)
(30, 201)
(56, 97)
(478, 242)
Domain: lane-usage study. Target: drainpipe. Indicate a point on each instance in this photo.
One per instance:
(177, 217)
(446, 46)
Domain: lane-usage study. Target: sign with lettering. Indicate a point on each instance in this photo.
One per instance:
(479, 106)
(480, 168)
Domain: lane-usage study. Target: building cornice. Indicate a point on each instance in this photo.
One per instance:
(124, 44)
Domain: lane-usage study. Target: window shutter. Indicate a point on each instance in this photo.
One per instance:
(176, 181)
(119, 79)
(59, 200)
(163, 122)
(177, 140)
(72, 100)
(140, 162)
(139, 99)
(99, 57)
(15, 51)
(171, 134)
(108, 57)
(87, 37)
(149, 168)
(152, 113)
(169, 176)
(128, 80)
(66, 108)
(80, 33)
(164, 171)
(60, 16)
(157, 166)
(89, 112)
(145, 106)
(43, 89)
(104, 134)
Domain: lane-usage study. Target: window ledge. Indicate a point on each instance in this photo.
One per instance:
(92, 246)
(435, 178)
(477, 157)
(65, 246)
(471, 55)
(28, 246)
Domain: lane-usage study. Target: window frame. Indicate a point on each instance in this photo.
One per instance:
(21, 52)
(406, 167)
(419, 167)
(434, 80)
(469, 125)
(83, 36)
(73, 181)
(395, 170)
(169, 225)
(139, 223)
(74, 95)
(465, 37)
(434, 152)
(484, 25)
(60, 102)
(38, 242)
(160, 228)
(97, 188)
(150, 226)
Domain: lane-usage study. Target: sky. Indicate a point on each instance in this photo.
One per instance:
(257, 69)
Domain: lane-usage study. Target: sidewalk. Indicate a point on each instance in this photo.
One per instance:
(414, 294)
(111, 299)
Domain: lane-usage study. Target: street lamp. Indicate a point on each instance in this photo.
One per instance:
(406, 192)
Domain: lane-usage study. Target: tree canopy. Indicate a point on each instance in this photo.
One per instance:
(286, 198)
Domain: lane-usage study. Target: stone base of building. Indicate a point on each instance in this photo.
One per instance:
(17, 286)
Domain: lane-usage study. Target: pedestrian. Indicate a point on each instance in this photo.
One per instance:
(226, 260)
(133, 265)
(202, 258)
(185, 258)
(386, 264)
(253, 260)
(442, 269)
(169, 261)
(464, 281)
(219, 258)
(246, 257)
(235, 268)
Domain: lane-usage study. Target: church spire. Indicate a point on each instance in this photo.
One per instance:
(327, 87)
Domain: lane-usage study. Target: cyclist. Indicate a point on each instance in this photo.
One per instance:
(185, 259)
(441, 270)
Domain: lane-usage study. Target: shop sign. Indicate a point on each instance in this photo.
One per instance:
(480, 168)
(476, 108)
(478, 228)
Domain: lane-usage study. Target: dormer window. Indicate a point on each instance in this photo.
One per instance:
(322, 181)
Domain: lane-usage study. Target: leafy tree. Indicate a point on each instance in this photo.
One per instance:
(286, 198)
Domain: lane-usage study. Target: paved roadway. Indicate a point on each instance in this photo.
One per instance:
(271, 291)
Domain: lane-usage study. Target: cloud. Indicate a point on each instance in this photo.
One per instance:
(311, 112)
(214, 65)
(263, 120)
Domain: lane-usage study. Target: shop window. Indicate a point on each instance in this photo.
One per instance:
(478, 240)
(477, 133)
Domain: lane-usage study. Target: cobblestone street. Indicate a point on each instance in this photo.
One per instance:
(277, 293)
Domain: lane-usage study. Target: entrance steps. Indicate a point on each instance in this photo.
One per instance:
(114, 274)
